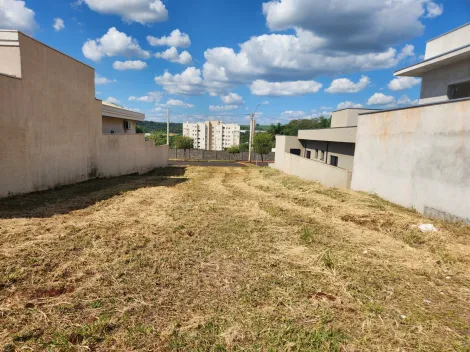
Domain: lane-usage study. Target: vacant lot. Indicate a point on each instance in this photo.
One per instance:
(215, 259)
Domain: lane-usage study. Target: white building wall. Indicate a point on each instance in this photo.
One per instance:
(212, 135)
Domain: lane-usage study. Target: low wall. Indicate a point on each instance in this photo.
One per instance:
(312, 170)
(198, 154)
(126, 154)
(417, 157)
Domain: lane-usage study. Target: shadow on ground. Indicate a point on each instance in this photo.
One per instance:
(80, 196)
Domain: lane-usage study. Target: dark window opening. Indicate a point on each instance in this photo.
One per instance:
(295, 151)
(334, 160)
(459, 90)
(309, 154)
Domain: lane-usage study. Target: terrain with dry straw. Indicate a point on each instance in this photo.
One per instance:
(219, 259)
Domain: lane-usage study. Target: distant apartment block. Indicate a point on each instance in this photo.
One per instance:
(54, 131)
(212, 135)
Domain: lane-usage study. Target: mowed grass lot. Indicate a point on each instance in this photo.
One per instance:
(227, 259)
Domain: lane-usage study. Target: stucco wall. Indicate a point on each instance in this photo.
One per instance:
(50, 122)
(418, 157)
(116, 125)
(346, 117)
(126, 154)
(435, 83)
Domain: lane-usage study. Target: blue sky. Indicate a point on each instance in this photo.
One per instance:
(298, 58)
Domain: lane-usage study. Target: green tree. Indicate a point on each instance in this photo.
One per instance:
(276, 129)
(244, 147)
(185, 143)
(139, 129)
(158, 137)
(234, 150)
(262, 144)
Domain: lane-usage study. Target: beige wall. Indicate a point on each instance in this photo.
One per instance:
(447, 42)
(50, 122)
(417, 157)
(116, 125)
(10, 60)
(307, 169)
(126, 154)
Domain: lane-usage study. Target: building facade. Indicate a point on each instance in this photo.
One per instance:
(324, 155)
(52, 124)
(420, 156)
(212, 135)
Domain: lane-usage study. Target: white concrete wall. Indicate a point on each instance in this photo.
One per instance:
(418, 157)
(447, 42)
(10, 59)
(435, 83)
(346, 117)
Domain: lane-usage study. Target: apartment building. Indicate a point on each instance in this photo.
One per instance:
(212, 135)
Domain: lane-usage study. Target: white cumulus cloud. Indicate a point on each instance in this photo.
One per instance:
(278, 89)
(349, 105)
(129, 65)
(15, 15)
(113, 100)
(113, 43)
(58, 24)
(189, 82)
(172, 55)
(345, 85)
(176, 39)
(232, 99)
(221, 108)
(380, 99)
(402, 83)
(149, 98)
(355, 24)
(103, 80)
(141, 11)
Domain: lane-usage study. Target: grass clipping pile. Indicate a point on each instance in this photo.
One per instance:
(218, 259)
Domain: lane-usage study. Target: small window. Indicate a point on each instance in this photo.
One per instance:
(295, 151)
(322, 155)
(316, 154)
(127, 125)
(309, 154)
(334, 160)
(459, 90)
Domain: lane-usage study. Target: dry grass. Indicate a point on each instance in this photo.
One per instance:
(216, 259)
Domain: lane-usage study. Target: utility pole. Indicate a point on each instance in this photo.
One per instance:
(168, 128)
(252, 132)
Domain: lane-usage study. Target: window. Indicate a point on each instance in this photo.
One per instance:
(334, 160)
(127, 125)
(322, 155)
(309, 154)
(459, 90)
(295, 151)
(316, 154)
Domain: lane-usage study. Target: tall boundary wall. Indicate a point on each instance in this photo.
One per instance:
(51, 123)
(417, 157)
